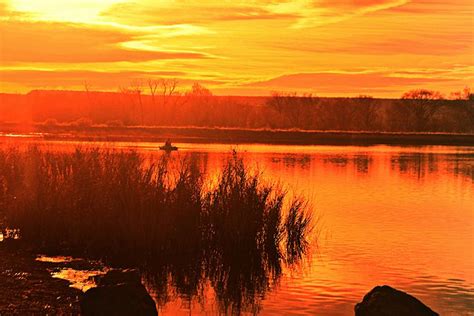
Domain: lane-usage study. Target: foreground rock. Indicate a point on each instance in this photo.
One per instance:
(118, 293)
(387, 301)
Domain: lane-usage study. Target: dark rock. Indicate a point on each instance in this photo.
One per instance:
(387, 301)
(118, 293)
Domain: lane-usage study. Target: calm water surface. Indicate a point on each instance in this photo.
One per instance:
(401, 216)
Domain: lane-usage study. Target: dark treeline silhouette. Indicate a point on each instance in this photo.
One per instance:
(416, 111)
(159, 104)
(162, 215)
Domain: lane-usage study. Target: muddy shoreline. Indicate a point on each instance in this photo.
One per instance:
(27, 287)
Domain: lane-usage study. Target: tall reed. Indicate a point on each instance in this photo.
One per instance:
(159, 214)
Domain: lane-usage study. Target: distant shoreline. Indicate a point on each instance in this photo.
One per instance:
(232, 135)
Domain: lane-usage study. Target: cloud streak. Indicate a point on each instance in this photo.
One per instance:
(153, 12)
(102, 80)
(352, 83)
(320, 13)
(398, 44)
(75, 43)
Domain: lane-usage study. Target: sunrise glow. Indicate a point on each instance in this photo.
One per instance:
(260, 157)
(239, 48)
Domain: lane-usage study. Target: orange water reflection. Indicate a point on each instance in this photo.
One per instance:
(387, 215)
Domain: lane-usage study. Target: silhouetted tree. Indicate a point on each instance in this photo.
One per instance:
(200, 98)
(293, 108)
(462, 110)
(421, 106)
(137, 89)
(339, 114)
(464, 94)
(279, 101)
(168, 89)
(366, 112)
(469, 112)
(169, 95)
(129, 105)
(153, 85)
(199, 90)
(90, 101)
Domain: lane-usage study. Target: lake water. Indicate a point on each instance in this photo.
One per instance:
(401, 216)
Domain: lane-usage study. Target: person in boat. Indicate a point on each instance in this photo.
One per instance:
(167, 146)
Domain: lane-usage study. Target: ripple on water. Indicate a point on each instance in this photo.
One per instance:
(406, 221)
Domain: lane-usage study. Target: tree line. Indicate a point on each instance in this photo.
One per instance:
(416, 111)
(163, 102)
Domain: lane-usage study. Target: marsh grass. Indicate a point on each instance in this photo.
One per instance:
(159, 214)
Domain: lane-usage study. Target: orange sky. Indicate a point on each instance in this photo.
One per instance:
(325, 47)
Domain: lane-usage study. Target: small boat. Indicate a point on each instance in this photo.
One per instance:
(168, 147)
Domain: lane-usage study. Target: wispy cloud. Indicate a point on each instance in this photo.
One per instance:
(383, 45)
(76, 43)
(355, 82)
(180, 12)
(324, 12)
(102, 80)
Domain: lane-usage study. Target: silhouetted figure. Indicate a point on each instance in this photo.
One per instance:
(168, 146)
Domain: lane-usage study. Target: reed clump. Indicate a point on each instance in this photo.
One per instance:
(160, 213)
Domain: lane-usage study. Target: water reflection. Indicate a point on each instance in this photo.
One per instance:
(396, 215)
(394, 211)
(80, 279)
(462, 165)
(239, 280)
(362, 163)
(415, 164)
(412, 164)
(294, 160)
(161, 216)
(79, 272)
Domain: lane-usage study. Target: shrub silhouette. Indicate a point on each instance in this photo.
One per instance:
(158, 214)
